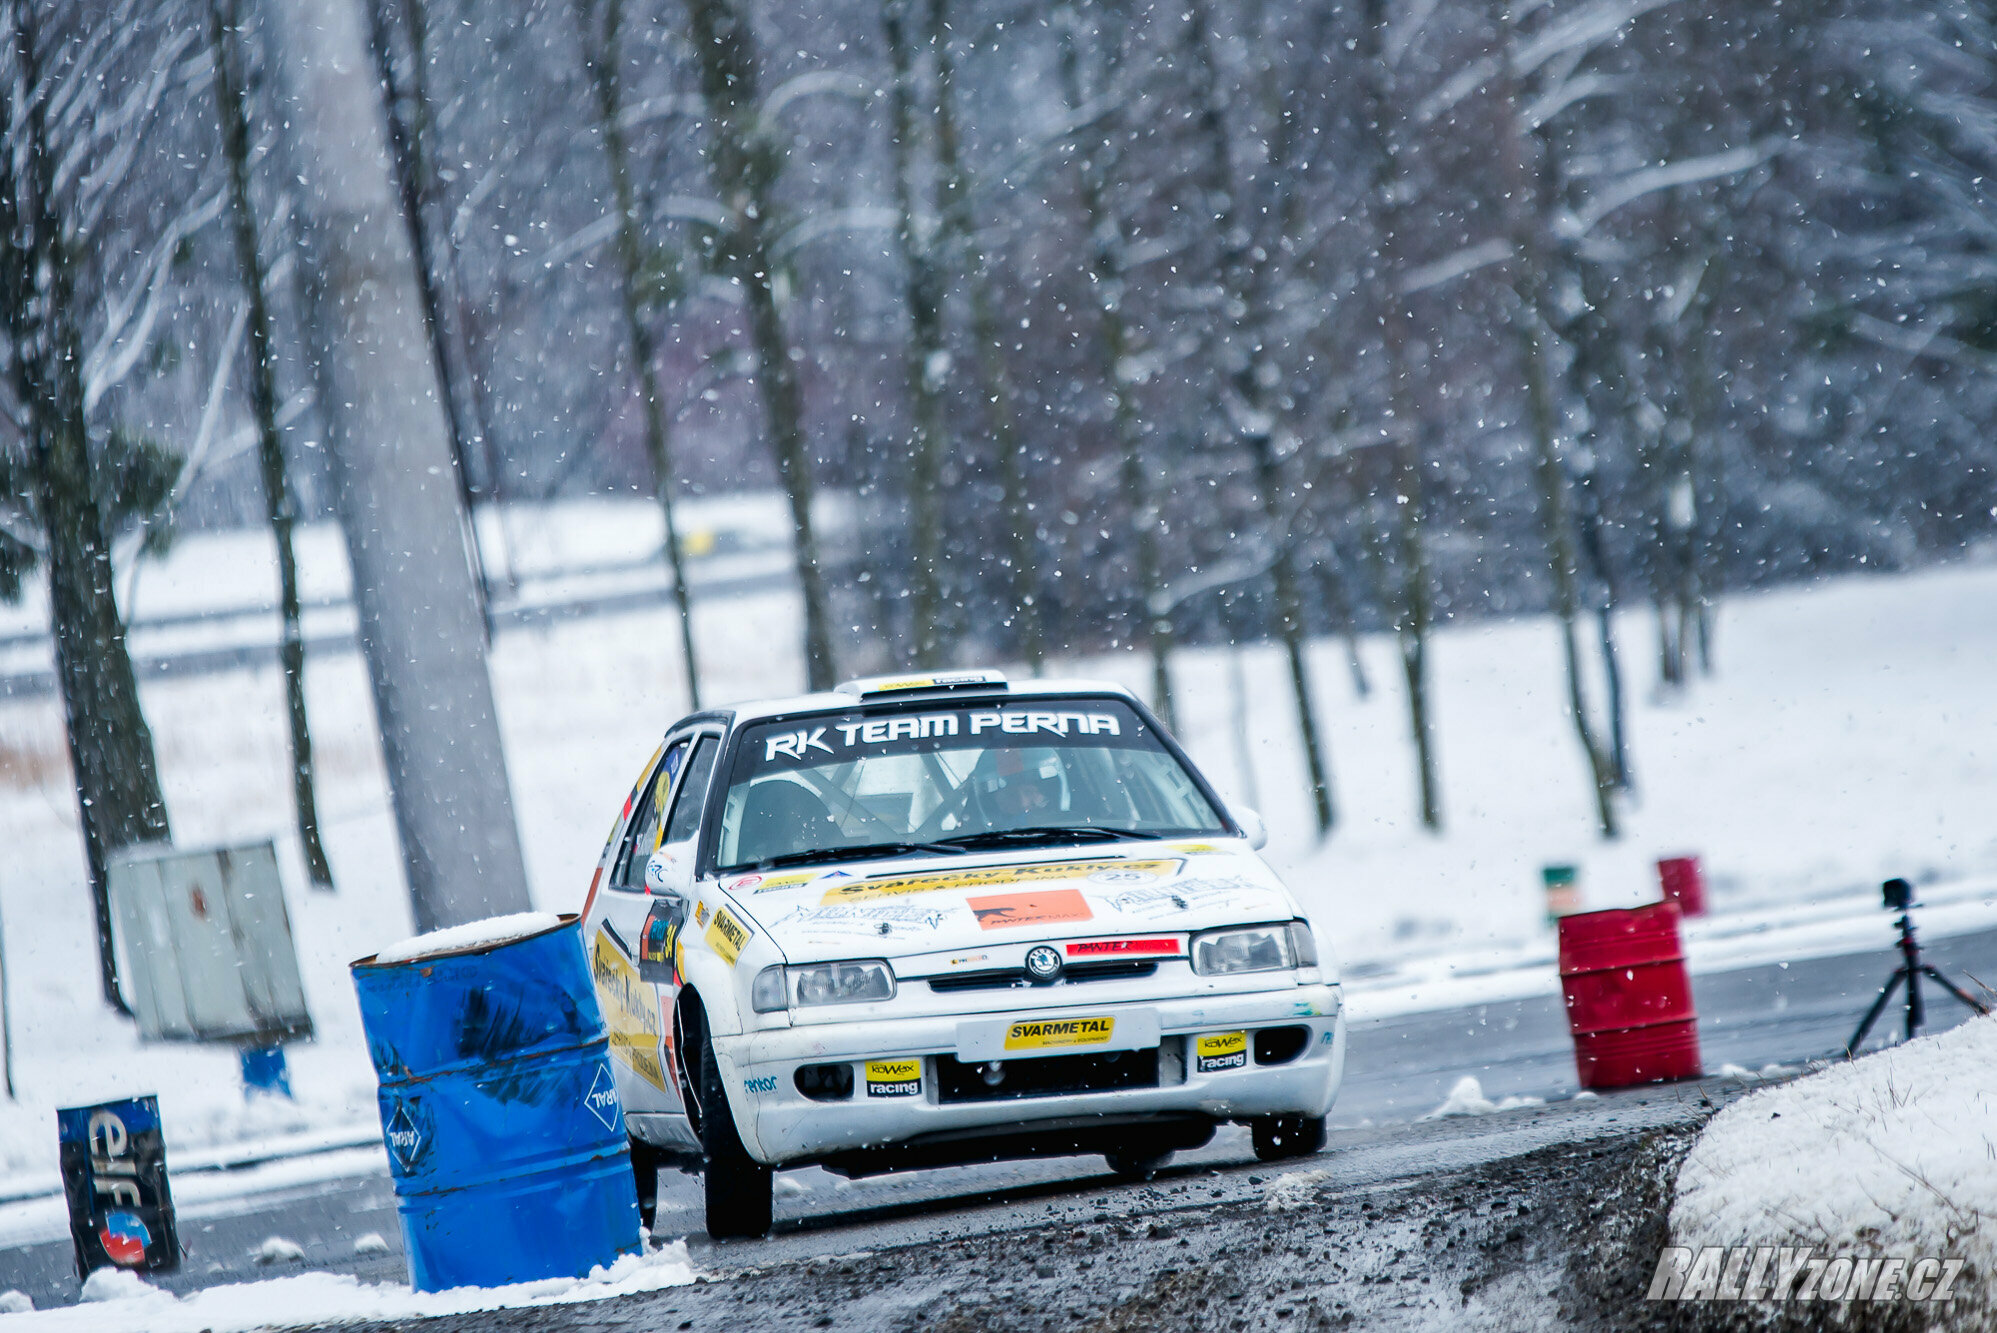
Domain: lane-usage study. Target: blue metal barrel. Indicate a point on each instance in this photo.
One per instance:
(505, 1136)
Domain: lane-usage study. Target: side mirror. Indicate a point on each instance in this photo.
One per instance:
(669, 871)
(1251, 825)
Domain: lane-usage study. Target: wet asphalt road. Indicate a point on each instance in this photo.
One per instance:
(1397, 1070)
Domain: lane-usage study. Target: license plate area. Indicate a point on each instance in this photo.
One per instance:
(1048, 1076)
(1051, 1036)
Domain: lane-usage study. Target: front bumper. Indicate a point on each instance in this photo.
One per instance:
(780, 1125)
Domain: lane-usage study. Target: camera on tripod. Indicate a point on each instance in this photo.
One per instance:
(1898, 893)
(1898, 896)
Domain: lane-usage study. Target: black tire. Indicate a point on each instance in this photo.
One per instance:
(1136, 1165)
(1280, 1136)
(645, 1163)
(737, 1185)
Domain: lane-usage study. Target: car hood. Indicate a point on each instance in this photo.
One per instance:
(910, 906)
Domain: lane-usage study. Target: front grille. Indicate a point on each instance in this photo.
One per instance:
(1050, 1076)
(1014, 978)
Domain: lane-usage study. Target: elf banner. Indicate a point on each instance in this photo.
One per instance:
(114, 1175)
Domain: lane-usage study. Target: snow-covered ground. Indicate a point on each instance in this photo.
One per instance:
(1891, 1155)
(116, 1301)
(1847, 736)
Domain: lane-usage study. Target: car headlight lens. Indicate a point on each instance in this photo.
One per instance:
(1220, 953)
(766, 995)
(1303, 943)
(842, 983)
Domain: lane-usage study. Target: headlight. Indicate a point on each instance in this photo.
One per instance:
(767, 996)
(1220, 953)
(1303, 943)
(830, 983)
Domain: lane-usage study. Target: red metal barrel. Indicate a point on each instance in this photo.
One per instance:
(1683, 884)
(1629, 1002)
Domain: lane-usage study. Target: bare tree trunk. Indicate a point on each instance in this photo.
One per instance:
(1151, 612)
(1029, 622)
(110, 746)
(1557, 521)
(1337, 598)
(1290, 626)
(602, 53)
(744, 168)
(1605, 629)
(1411, 630)
(1242, 273)
(926, 356)
(405, 155)
(1412, 605)
(956, 239)
(1530, 278)
(279, 508)
(464, 344)
(389, 457)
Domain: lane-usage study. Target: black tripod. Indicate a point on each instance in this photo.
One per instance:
(1899, 895)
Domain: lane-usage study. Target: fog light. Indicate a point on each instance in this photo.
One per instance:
(824, 1083)
(1279, 1046)
(994, 1074)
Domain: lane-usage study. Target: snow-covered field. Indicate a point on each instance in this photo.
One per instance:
(117, 1301)
(1847, 736)
(1891, 1155)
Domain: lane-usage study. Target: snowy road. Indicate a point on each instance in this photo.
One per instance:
(1399, 1069)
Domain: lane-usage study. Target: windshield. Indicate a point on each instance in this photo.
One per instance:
(952, 778)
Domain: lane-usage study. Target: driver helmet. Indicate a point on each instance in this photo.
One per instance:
(1023, 785)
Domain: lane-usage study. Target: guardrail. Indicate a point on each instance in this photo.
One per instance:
(248, 634)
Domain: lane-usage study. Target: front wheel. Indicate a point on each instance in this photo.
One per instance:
(1279, 1136)
(737, 1185)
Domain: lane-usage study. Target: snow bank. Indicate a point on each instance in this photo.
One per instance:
(471, 935)
(1892, 1154)
(123, 1303)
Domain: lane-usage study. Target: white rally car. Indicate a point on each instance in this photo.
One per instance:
(926, 921)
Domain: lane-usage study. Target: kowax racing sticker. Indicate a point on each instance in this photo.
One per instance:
(989, 877)
(601, 1099)
(894, 1078)
(1038, 1035)
(1222, 1050)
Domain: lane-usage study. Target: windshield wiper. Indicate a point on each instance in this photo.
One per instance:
(864, 852)
(1052, 833)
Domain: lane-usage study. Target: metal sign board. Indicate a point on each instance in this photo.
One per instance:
(204, 944)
